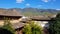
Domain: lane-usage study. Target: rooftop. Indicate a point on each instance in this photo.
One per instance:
(9, 13)
(18, 25)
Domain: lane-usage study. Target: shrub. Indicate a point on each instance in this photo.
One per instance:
(27, 29)
(7, 25)
(32, 28)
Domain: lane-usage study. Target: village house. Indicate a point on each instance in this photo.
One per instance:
(14, 18)
(43, 21)
(13, 15)
(39, 20)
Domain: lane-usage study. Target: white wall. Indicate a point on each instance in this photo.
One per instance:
(12, 21)
(42, 23)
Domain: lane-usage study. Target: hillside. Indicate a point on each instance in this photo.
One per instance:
(31, 11)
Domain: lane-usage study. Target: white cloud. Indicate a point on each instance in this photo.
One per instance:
(27, 4)
(48, 0)
(45, 0)
(57, 9)
(19, 1)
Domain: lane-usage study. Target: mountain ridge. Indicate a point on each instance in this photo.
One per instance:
(32, 11)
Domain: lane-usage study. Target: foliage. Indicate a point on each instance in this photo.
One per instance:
(36, 29)
(27, 29)
(5, 31)
(55, 25)
(7, 25)
(33, 28)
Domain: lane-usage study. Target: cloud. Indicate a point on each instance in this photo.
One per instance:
(19, 1)
(48, 0)
(45, 0)
(39, 5)
(57, 9)
(27, 4)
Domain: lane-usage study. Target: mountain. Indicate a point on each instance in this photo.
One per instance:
(35, 11)
(32, 11)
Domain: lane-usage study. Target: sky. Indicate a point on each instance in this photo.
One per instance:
(44, 4)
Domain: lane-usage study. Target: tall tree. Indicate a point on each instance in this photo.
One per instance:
(55, 25)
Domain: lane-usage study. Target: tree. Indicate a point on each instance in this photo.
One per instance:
(32, 28)
(36, 29)
(5, 31)
(27, 29)
(7, 25)
(54, 27)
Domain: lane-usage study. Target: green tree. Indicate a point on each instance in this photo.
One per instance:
(32, 28)
(7, 25)
(54, 27)
(27, 29)
(36, 29)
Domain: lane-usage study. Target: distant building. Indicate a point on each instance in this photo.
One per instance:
(24, 19)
